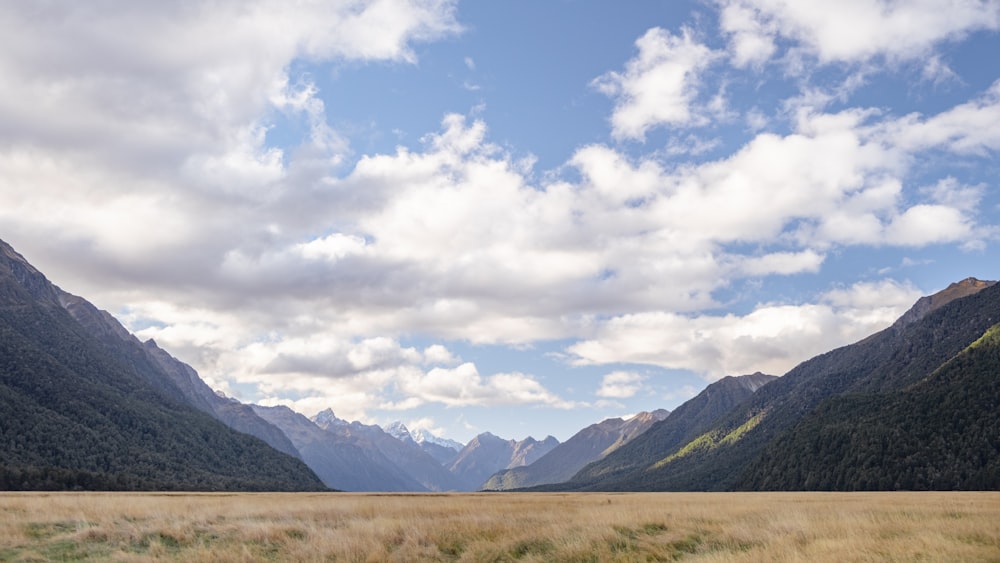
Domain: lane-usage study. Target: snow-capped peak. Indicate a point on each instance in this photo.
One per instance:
(399, 431)
(421, 436)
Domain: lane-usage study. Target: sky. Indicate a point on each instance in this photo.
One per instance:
(519, 217)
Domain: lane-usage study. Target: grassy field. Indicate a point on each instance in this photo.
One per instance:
(501, 527)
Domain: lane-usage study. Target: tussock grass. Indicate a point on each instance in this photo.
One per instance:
(596, 527)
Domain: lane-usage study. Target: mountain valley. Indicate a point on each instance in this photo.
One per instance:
(84, 404)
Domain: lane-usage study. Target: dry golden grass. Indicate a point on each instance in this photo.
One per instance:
(501, 527)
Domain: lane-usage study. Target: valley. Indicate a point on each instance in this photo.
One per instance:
(937, 526)
(86, 405)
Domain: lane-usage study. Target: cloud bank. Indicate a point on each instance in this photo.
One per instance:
(139, 158)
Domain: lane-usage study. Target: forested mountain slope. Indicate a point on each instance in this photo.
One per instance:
(941, 433)
(79, 412)
(732, 451)
(685, 423)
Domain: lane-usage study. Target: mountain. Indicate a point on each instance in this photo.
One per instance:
(939, 433)
(685, 423)
(400, 455)
(399, 431)
(486, 454)
(339, 460)
(425, 437)
(590, 444)
(84, 405)
(443, 450)
(784, 425)
(172, 374)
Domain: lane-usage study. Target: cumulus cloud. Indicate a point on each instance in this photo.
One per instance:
(136, 161)
(751, 40)
(658, 86)
(464, 386)
(456, 242)
(851, 31)
(970, 128)
(773, 338)
(158, 114)
(620, 385)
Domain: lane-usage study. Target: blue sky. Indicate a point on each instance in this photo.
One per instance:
(520, 217)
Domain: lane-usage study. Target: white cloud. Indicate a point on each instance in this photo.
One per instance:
(781, 263)
(924, 224)
(136, 163)
(425, 425)
(772, 338)
(969, 128)
(136, 123)
(851, 30)
(751, 40)
(454, 242)
(439, 355)
(464, 386)
(620, 385)
(657, 87)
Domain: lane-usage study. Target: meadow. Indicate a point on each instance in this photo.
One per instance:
(501, 527)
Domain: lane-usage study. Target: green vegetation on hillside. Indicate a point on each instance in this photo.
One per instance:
(938, 434)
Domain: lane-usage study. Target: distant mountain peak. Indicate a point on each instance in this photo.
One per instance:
(7, 252)
(421, 436)
(325, 419)
(754, 381)
(26, 275)
(929, 303)
(399, 431)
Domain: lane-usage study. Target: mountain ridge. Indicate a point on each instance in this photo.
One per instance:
(587, 445)
(685, 423)
(84, 411)
(487, 453)
(885, 362)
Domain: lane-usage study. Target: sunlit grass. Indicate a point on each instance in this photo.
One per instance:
(501, 527)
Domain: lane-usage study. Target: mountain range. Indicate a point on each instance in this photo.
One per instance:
(84, 404)
(485, 454)
(563, 461)
(911, 407)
